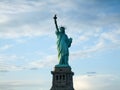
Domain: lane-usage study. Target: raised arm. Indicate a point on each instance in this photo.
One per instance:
(55, 20)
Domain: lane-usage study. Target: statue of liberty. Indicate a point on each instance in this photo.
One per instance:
(63, 44)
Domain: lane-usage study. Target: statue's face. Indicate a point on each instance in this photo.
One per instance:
(62, 29)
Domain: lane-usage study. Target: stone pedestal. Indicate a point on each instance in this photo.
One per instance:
(62, 78)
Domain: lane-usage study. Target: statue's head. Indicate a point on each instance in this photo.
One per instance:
(62, 29)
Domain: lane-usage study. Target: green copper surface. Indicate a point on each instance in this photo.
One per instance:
(63, 44)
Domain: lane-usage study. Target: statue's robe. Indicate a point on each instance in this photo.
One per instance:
(63, 43)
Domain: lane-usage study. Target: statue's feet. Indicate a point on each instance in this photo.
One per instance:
(62, 65)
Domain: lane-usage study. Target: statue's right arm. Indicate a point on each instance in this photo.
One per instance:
(55, 20)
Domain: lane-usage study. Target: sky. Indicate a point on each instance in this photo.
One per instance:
(28, 51)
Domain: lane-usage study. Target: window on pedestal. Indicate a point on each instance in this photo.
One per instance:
(60, 77)
(63, 77)
(56, 77)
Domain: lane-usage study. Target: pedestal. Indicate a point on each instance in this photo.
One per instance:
(62, 78)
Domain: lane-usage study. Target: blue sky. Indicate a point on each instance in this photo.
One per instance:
(28, 43)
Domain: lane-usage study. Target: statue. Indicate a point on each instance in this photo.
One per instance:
(63, 44)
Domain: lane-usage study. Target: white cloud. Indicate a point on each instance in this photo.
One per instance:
(88, 51)
(5, 47)
(112, 36)
(45, 62)
(17, 19)
(14, 6)
(4, 67)
(82, 38)
(8, 63)
(23, 84)
(96, 40)
(78, 21)
(13, 57)
(105, 40)
(11, 63)
(96, 82)
(4, 19)
(23, 31)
